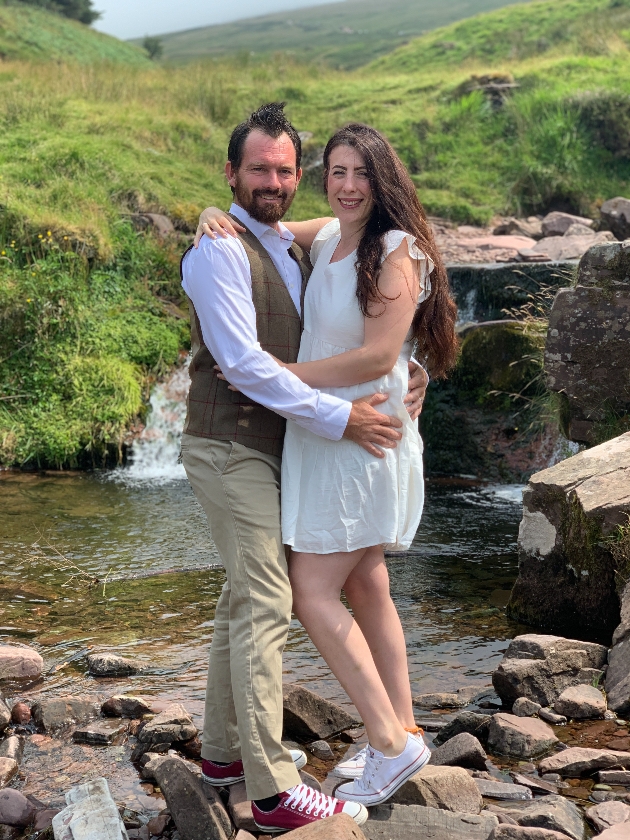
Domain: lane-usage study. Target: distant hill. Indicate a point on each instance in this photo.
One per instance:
(344, 34)
(35, 34)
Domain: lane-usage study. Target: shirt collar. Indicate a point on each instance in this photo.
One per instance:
(260, 229)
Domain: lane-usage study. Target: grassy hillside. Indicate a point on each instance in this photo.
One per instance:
(88, 307)
(343, 34)
(34, 34)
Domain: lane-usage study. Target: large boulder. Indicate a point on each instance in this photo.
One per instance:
(580, 702)
(18, 663)
(618, 673)
(519, 737)
(588, 342)
(558, 223)
(309, 717)
(567, 579)
(616, 216)
(56, 713)
(555, 813)
(540, 668)
(571, 246)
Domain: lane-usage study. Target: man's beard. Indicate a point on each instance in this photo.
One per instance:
(258, 208)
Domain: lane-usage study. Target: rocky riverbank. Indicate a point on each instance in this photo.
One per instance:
(536, 756)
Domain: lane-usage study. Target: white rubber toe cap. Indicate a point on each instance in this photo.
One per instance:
(299, 758)
(357, 811)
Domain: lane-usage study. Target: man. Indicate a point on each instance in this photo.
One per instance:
(246, 297)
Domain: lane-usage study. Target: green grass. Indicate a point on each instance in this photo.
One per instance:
(85, 323)
(343, 34)
(35, 34)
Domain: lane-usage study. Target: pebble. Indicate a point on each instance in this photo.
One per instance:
(321, 749)
(601, 787)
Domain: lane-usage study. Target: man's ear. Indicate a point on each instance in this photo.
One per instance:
(298, 177)
(230, 174)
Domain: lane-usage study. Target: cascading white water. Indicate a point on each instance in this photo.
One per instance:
(155, 452)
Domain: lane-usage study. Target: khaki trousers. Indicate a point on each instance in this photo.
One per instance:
(239, 490)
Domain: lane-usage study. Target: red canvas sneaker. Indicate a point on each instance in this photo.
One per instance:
(229, 774)
(303, 805)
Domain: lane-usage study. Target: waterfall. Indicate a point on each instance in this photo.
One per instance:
(155, 452)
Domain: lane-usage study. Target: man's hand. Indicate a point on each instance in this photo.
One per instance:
(371, 429)
(418, 381)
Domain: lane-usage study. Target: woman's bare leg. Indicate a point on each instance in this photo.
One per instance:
(367, 591)
(316, 581)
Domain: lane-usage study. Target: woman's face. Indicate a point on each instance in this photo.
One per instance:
(349, 188)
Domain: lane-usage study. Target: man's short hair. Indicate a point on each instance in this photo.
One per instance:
(271, 120)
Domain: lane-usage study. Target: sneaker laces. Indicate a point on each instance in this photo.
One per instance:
(372, 764)
(306, 798)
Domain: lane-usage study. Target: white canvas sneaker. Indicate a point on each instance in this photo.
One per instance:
(383, 776)
(351, 768)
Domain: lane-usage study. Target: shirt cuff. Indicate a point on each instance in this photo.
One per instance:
(331, 418)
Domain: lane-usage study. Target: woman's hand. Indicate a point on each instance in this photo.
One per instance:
(214, 221)
(418, 381)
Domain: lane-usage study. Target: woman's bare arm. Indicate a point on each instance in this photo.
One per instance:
(384, 334)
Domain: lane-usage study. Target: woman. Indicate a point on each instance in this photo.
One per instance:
(378, 288)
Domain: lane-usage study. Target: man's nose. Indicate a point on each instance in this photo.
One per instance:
(272, 182)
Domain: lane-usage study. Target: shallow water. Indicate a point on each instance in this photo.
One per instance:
(450, 588)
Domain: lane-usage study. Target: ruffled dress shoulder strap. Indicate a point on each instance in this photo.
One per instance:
(393, 239)
(325, 235)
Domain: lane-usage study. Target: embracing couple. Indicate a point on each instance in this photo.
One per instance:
(301, 444)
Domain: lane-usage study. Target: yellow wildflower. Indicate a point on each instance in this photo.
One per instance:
(48, 233)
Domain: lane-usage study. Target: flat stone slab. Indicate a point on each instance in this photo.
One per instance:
(101, 733)
(415, 822)
(519, 832)
(614, 777)
(91, 814)
(579, 761)
(554, 813)
(533, 782)
(502, 790)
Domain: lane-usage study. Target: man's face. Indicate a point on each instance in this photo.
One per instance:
(267, 179)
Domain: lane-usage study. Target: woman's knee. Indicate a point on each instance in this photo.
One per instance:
(367, 588)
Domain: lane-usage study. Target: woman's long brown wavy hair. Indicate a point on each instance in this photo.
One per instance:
(396, 207)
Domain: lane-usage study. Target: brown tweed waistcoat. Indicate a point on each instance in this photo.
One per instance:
(213, 410)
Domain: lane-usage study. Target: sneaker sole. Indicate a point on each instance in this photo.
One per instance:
(231, 780)
(347, 774)
(390, 790)
(301, 762)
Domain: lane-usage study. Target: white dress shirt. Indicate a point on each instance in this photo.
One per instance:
(217, 278)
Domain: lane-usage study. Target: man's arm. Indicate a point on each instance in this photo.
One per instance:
(217, 279)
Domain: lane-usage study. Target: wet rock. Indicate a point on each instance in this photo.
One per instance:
(20, 713)
(524, 707)
(566, 577)
(12, 747)
(91, 814)
(471, 722)
(580, 761)
(18, 663)
(448, 788)
(121, 705)
(157, 825)
(8, 771)
(557, 223)
(196, 809)
(15, 809)
(463, 750)
(519, 737)
(172, 725)
(111, 665)
(100, 733)
(43, 819)
(309, 717)
(58, 713)
(149, 762)
(413, 822)
(614, 777)
(5, 715)
(240, 808)
(191, 749)
(339, 827)
(616, 216)
(555, 813)
(607, 814)
(534, 783)
(502, 790)
(321, 749)
(441, 700)
(540, 667)
(552, 717)
(518, 832)
(581, 702)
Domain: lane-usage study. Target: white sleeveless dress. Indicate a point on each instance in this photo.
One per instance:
(335, 495)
